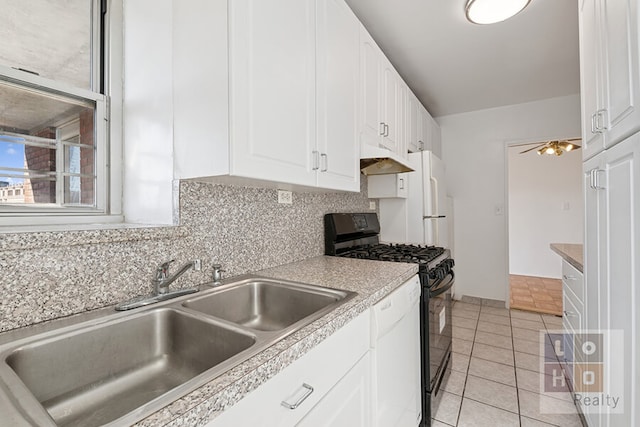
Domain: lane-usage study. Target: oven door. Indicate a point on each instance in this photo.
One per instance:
(440, 329)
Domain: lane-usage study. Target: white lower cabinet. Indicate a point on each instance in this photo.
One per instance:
(306, 392)
(348, 404)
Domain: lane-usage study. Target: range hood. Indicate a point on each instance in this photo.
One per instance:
(381, 161)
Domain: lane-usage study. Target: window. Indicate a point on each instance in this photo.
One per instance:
(53, 108)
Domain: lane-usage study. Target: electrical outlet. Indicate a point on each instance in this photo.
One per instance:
(372, 205)
(285, 197)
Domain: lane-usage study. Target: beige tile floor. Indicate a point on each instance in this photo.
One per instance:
(496, 365)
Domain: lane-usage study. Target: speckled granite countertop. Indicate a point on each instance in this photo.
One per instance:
(372, 280)
(570, 252)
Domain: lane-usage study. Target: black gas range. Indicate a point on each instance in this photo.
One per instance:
(356, 235)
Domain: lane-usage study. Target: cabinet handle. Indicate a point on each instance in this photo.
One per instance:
(387, 126)
(565, 277)
(569, 313)
(420, 145)
(316, 161)
(593, 123)
(326, 162)
(306, 394)
(382, 129)
(596, 180)
(402, 183)
(601, 126)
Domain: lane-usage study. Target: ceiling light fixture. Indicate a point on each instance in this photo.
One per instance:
(557, 148)
(492, 11)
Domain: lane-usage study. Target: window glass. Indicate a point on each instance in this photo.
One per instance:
(47, 148)
(49, 38)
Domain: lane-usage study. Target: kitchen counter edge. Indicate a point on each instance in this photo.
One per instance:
(570, 252)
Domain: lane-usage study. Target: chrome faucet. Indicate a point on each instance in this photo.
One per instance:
(162, 280)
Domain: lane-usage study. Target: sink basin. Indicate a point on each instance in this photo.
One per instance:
(96, 375)
(116, 371)
(267, 305)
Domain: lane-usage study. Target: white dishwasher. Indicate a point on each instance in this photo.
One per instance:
(395, 355)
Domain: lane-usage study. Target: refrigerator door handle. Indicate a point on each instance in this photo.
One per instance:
(434, 216)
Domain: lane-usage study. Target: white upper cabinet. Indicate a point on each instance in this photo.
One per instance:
(338, 68)
(272, 90)
(415, 123)
(390, 106)
(268, 91)
(383, 95)
(371, 124)
(609, 73)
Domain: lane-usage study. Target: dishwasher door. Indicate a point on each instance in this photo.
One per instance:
(395, 355)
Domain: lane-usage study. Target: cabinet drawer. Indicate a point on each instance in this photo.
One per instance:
(572, 311)
(573, 279)
(313, 375)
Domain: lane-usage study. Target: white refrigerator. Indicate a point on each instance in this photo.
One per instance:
(422, 217)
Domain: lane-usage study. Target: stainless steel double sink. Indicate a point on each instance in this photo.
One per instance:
(122, 368)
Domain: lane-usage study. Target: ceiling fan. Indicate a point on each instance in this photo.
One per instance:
(555, 147)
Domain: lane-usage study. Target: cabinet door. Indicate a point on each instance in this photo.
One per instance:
(390, 102)
(402, 116)
(390, 186)
(425, 129)
(436, 138)
(592, 140)
(620, 67)
(338, 39)
(594, 269)
(612, 239)
(619, 306)
(348, 404)
(371, 124)
(414, 124)
(272, 89)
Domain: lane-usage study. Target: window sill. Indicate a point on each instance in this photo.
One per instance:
(47, 236)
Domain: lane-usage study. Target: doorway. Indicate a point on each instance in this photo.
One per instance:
(545, 206)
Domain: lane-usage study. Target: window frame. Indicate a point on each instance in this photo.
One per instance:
(106, 78)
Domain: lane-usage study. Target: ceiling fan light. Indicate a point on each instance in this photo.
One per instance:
(492, 11)
(549, 150)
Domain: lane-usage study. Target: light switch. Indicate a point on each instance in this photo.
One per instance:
(372, 205)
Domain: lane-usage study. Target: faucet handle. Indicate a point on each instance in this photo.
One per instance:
(217, 273)
(163, 270)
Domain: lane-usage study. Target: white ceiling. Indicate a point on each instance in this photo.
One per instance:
(454, 66)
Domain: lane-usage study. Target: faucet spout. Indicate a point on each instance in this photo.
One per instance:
(162, 279)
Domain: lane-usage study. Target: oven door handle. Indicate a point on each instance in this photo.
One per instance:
(443, 286)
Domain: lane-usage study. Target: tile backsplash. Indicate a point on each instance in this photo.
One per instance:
(51, 275)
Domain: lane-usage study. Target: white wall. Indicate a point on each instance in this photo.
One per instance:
(545, 206)
(148, 112)
(473, 146)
